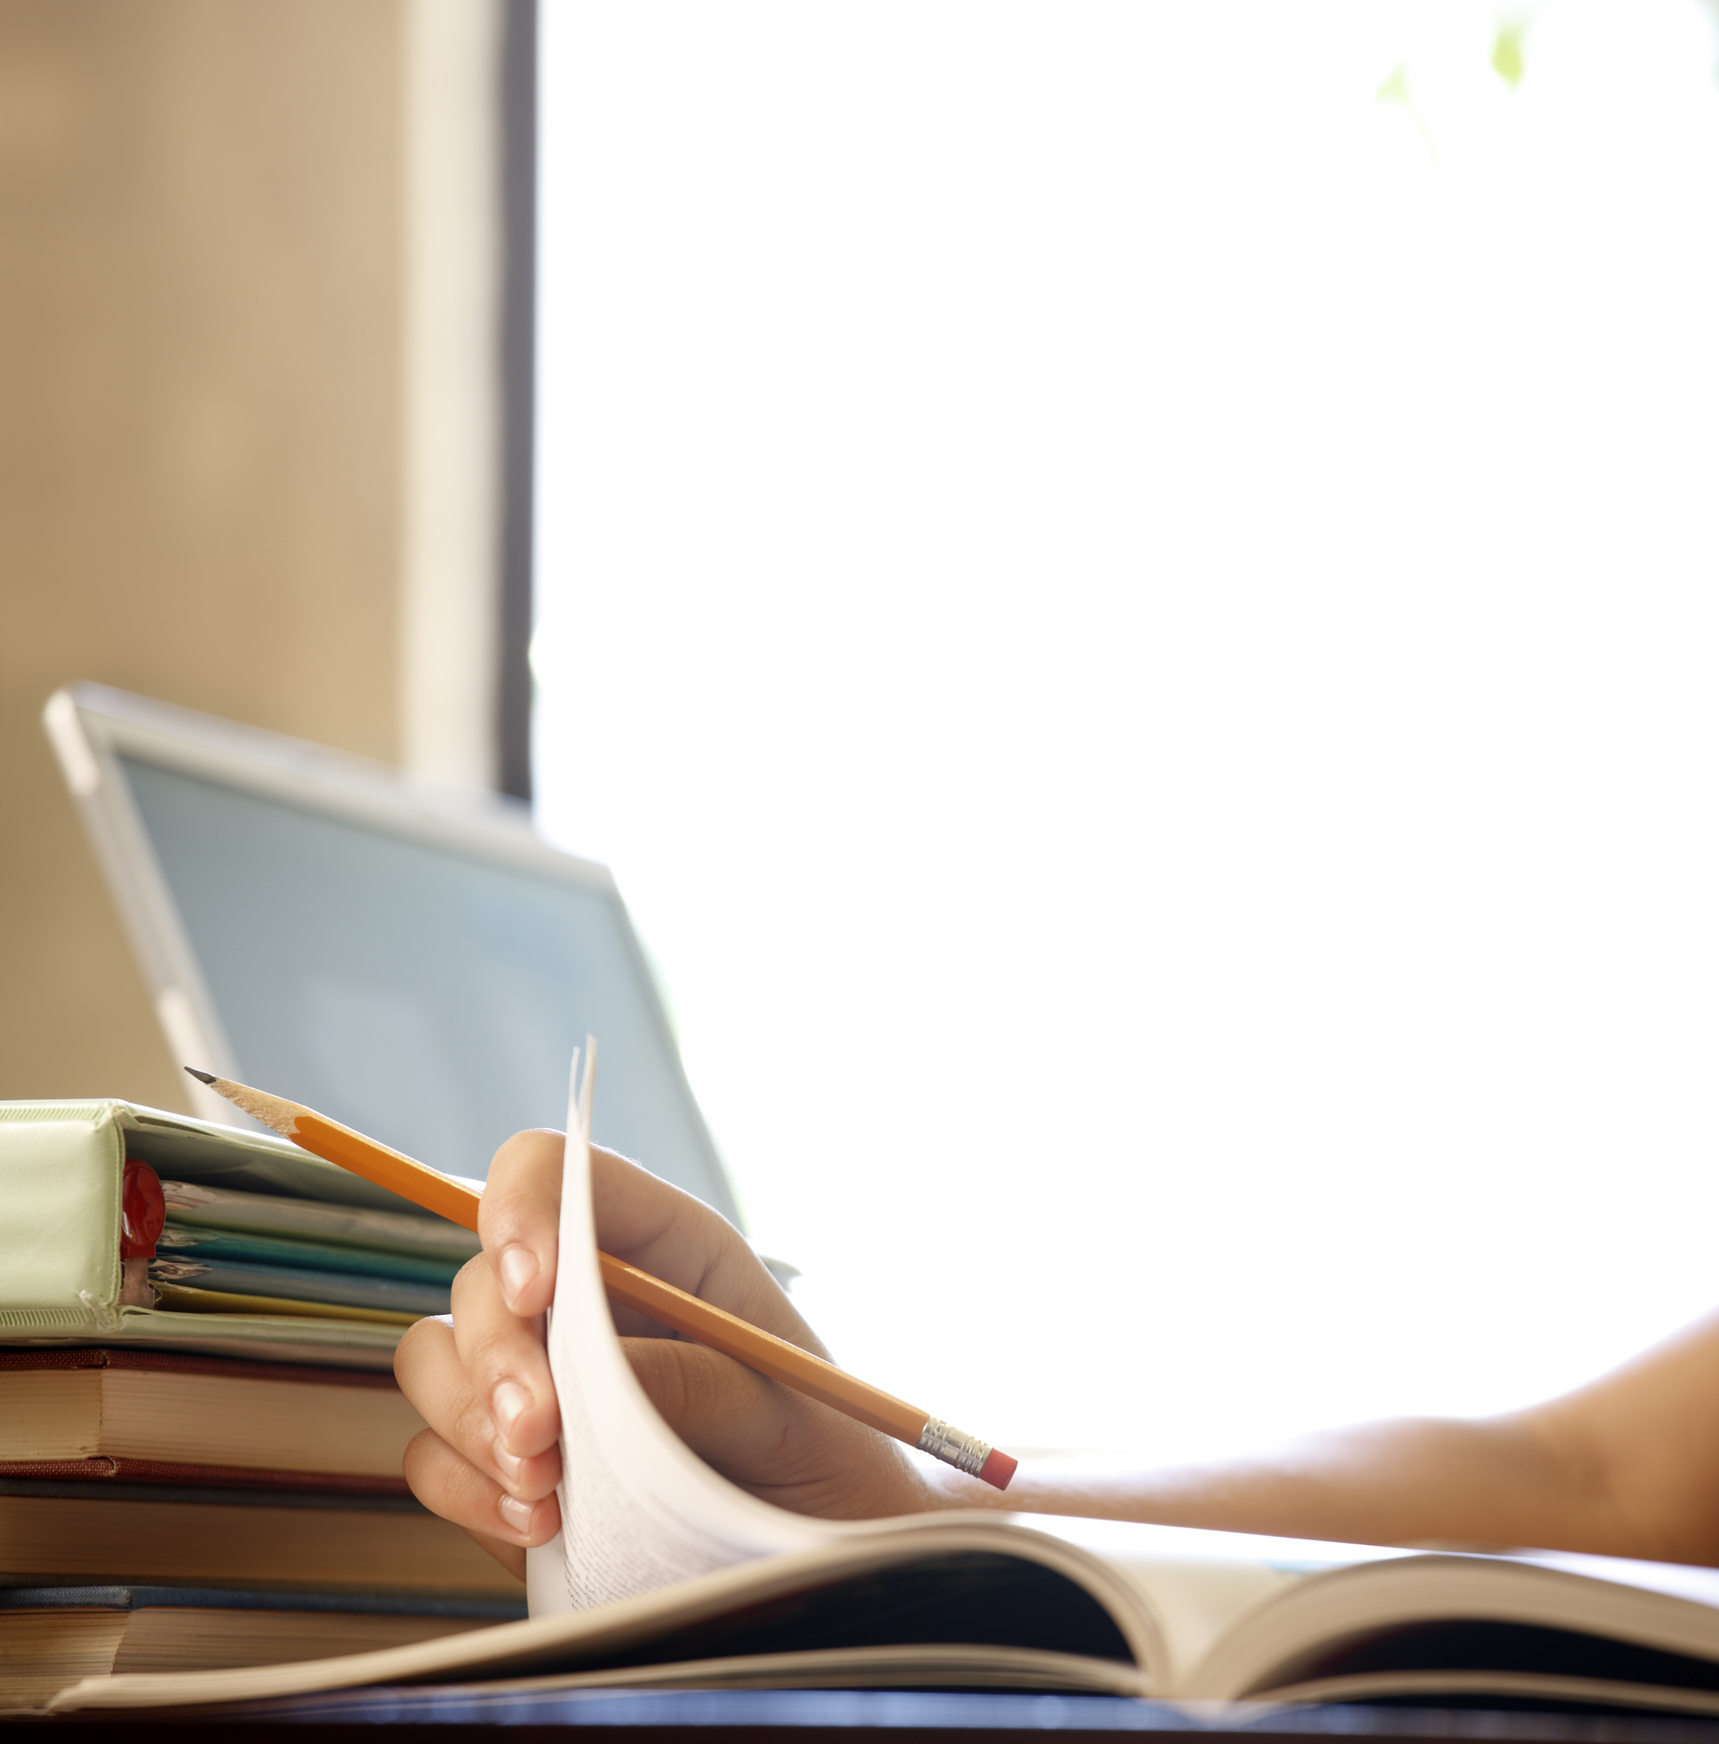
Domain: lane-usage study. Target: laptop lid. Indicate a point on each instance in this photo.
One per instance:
(415, 962)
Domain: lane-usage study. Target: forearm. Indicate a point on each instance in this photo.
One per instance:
(1497, 1482)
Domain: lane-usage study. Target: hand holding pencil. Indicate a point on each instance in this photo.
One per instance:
(489, 1459)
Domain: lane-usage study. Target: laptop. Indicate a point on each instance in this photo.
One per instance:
(415, 962)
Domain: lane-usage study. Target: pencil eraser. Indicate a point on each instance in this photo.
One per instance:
(998, 1469)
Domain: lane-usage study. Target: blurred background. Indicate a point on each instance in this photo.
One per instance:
(1128, 589)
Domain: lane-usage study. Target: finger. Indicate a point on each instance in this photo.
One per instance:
(519, 1218)
(640, 1218)
(726, 1413)
(673, 1236)
(781, 1446)
(454, 1488)
(428, 1368)
(505, 1363)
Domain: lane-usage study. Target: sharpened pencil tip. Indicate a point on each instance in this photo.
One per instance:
(201, 1077)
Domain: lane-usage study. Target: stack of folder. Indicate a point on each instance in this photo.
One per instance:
(251, 1253)
(200, 1445)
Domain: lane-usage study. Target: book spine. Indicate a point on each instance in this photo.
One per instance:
(99, 1356)
(104, 1469)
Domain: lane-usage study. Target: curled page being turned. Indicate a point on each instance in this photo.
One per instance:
(639, 1509)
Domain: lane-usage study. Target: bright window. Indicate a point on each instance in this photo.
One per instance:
(1132, 591)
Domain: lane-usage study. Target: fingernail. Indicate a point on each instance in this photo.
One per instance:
(518, 1266)
(507, 1404)
(508, 1464)
(516, 1513)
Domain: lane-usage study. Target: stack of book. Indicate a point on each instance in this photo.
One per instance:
(200, 1445)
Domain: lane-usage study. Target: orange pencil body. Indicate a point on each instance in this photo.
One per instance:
(663, 1302)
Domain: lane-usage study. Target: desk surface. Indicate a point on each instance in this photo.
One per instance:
(892, 1717)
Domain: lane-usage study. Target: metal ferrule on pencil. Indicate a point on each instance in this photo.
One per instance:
(965, 1452)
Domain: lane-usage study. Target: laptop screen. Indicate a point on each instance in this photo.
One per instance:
(425, 984)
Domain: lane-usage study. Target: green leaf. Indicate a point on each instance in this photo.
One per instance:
(1507, 61)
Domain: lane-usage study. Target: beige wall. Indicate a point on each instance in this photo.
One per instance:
(200, 448)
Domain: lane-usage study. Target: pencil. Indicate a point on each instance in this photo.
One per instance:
(676, 1309)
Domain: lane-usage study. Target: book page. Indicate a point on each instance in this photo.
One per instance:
(639, 1510)
(1200, 1585)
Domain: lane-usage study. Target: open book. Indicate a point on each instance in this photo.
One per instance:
(666, 1574)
